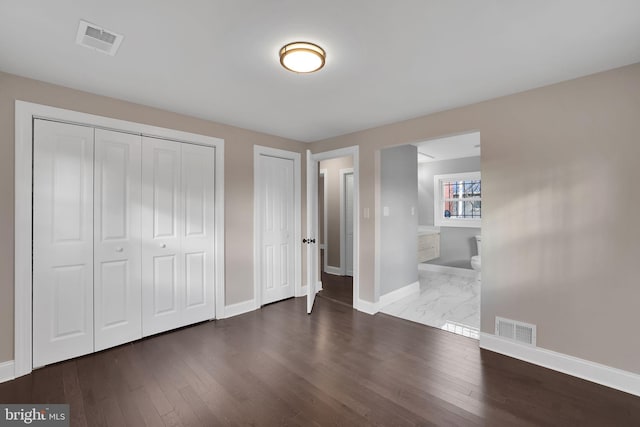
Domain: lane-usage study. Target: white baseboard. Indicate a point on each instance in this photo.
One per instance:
(239, 308)
(618, 379)
(446, 269)
(398, 294)
(336, 271)
(7, 372)
(366, 306)
(319, 286)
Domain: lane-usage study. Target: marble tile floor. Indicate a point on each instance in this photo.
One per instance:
(446, 301)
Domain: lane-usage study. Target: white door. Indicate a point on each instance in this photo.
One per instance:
(312, 230)
(276, 211)
(178, 234)
(348, 223)
(62, 241)
(197, 233)
(117, 238)
(162, 268)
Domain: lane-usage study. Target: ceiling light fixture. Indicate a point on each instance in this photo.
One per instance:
(302, 57)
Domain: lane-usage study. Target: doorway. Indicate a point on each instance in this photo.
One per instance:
(328, 260)
(335, 219)
(446, 233)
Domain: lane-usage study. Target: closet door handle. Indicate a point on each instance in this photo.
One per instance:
(164, 245)
(119, 249)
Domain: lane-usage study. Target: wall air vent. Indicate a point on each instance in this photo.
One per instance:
(521, 332)
(97, 38)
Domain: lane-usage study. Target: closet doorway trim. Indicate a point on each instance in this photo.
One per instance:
(25, 113)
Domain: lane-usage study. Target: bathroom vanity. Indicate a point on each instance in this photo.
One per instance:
(428, 243)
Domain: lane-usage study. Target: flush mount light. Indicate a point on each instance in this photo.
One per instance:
(302, 57)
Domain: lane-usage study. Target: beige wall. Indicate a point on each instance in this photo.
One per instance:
(560, 167)
(332, 178)
(238, 180)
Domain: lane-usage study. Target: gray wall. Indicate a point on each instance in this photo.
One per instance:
(398, 231)
(457, 244)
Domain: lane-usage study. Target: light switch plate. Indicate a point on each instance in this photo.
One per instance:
(385, 211)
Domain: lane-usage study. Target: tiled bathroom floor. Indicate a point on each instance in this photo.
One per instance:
(446, 301)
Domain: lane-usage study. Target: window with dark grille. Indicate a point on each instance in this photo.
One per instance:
(458, 200)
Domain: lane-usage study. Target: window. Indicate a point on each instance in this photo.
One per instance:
(457, 200)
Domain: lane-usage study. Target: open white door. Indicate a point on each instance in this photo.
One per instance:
(312, 230)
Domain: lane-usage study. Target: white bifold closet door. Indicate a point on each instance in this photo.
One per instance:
(62, 241)
(86, 287)
(117, 238)
(123, 236)
(178, 234)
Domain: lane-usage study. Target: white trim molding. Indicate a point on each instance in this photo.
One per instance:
(7, 372)
(336, 271)
(343, 219)
(367, 307)
(239, 308)
(446, 269)
(618, 379)
(258, 151)
(25, 112)
(325, 219)
(398, 294)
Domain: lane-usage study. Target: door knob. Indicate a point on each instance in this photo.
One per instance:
(119, 249)
(163, 245)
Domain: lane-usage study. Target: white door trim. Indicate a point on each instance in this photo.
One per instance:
(325, 235)
(352, 151)
(258, 151)
(25, 112)
(343, 228)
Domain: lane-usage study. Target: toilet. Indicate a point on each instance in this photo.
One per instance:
(475, 260)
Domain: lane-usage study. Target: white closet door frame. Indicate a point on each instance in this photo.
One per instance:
(25, 112)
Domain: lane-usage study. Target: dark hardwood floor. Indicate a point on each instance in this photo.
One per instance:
(280, 366)
(337, 288)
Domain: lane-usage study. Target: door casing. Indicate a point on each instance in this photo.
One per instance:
(25, 112)
(352, 151)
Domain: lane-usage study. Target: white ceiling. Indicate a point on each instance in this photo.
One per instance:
(451, 147)
(386, 60)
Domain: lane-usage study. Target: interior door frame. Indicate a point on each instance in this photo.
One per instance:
(343, 218)
(258, 151)
(325, 221)
(353, 152)
(25, 113)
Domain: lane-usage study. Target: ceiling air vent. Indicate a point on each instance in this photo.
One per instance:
(97, 38)
(517, 331)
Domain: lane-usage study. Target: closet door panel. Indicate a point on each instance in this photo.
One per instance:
(117, 219)
(198, 166)
(62, 241)
(162, 264)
